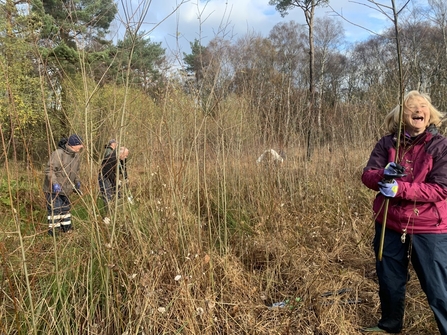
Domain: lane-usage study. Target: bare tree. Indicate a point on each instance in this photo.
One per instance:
(438, 14)
(289, 42)
(329, 37)
(255, 78)
(308, 8)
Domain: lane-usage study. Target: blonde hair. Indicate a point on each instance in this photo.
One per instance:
(392, 118)
(123, 152)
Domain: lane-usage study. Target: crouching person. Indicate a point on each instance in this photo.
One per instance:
(61, 180)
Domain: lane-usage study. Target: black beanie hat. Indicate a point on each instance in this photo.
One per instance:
(74, 140)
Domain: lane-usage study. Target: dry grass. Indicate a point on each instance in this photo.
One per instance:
(240, 235)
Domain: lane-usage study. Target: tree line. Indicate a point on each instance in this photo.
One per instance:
(57, 64)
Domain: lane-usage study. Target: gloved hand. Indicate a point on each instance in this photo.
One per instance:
(393, 170)
(388, 189)
(78, 188)
(56, 188)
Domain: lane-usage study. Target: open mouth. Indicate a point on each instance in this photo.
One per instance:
(418, 118)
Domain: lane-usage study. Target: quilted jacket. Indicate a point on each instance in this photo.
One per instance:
(420, 204)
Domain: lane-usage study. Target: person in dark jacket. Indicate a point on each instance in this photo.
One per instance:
(61, 180)
(414, 180)
(110, 147)
(108, 179)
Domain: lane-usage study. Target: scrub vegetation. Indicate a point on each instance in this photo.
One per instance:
(213, 239)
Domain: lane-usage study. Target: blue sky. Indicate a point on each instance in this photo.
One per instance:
(232, 19)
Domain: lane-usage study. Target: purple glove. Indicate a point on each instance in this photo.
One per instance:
(78, 188)
(56, 188)
(388, 189)
(393, 170)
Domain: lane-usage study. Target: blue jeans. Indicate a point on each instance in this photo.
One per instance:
(429, 260)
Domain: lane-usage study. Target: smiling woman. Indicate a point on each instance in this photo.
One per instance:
(419, 113)
(416, 115)
(408, 169)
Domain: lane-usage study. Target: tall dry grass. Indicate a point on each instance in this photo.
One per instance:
(212, 240)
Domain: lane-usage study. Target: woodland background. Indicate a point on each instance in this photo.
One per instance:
(213, 238)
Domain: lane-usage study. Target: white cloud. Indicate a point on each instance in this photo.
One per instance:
(233, 19)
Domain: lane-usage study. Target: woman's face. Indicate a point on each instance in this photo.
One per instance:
(416, 115)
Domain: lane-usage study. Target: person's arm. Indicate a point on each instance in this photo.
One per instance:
(52, 167)
(123, 168)
(77, 180)
(109, 168)
(373, 172)
(433, 187)
(420, 192)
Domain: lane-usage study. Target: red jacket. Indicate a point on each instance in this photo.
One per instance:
(420, 204)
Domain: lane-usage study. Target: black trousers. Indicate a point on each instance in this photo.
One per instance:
(58, 209)
(429, 259)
